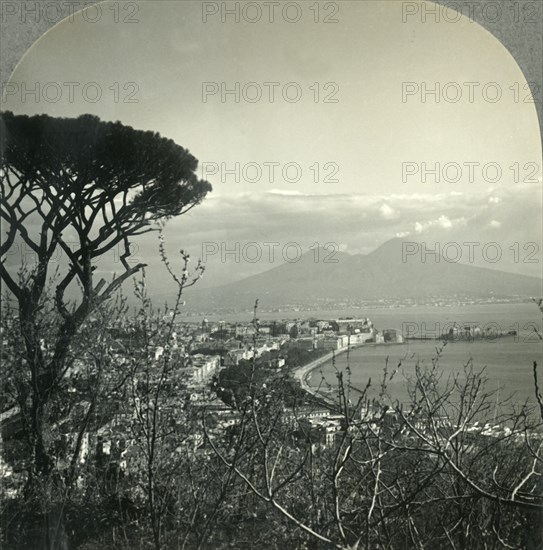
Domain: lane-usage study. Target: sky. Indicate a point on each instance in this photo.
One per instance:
(346, 134)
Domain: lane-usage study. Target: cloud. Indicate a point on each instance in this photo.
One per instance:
(286, 192)
(443, 222)
(387, 212)
(358, 223)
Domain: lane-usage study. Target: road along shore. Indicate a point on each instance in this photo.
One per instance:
(302, 373)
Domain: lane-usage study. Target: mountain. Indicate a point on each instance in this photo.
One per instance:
(385, 273)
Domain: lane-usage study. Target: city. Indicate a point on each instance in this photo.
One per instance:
(271, 275)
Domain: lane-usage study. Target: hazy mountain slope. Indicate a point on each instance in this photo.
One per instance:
(380, 274)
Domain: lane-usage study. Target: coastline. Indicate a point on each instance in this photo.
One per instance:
(302, 373)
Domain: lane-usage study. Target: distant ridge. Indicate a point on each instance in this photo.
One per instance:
(379, 275)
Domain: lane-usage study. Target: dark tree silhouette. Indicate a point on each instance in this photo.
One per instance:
(82, 187)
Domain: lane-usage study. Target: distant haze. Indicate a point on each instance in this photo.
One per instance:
(353, 191)
(393, 272)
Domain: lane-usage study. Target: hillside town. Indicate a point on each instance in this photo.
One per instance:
(200, 353)
(210, 361)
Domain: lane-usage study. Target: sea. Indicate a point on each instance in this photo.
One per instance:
(506, 360)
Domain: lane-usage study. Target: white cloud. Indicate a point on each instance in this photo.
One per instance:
(359, 222)
(387, 212)
(443, 222)
(286, 192)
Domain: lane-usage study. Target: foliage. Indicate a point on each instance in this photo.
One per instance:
(79, 187)
(297, 357)
(234, 383)
(108, 449)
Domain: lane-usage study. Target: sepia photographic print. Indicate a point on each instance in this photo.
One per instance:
(271, 275)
